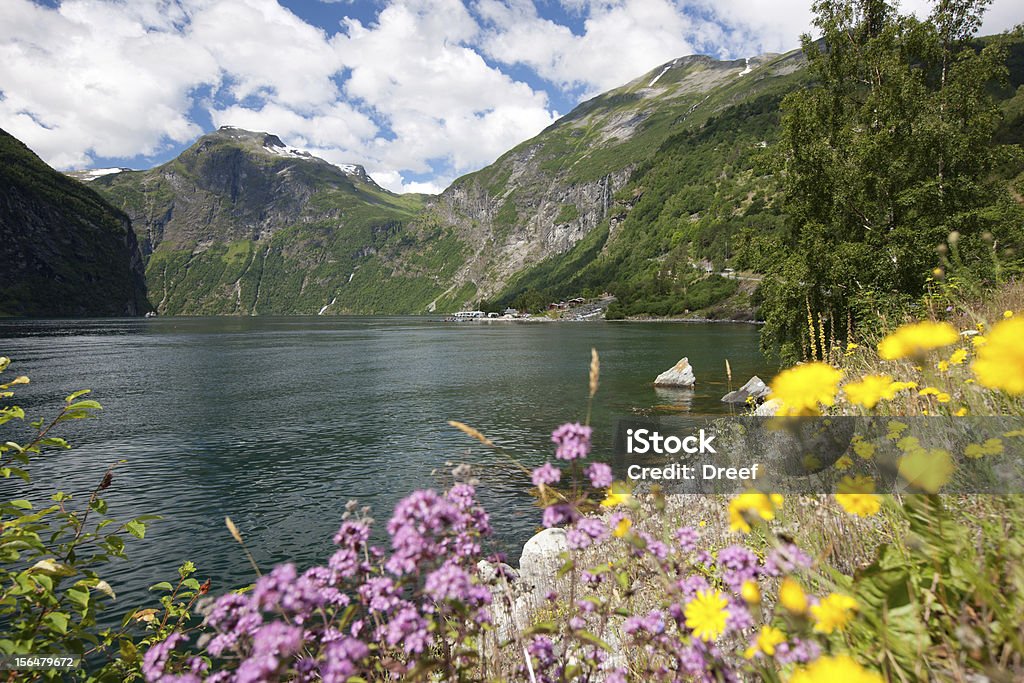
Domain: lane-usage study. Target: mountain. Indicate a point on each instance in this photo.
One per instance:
(654, 191)
(65, 252)
(531, 219)
(241, 224)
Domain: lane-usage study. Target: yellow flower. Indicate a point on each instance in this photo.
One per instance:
(706, 614)
(618, 494)
(895, 429)
(756, 505)
(864, 449)
(834, 669)
(928, 470)
(851, 346)
(869, 390)
(900, 386)
(916, 339)
(844, 463)
(859, 504)
(958, 357)
(766, 641)
(990, 447)
(792, 596)
(623, 527)
(1007, 314)
(978, 340)
(1000, 362)
(961, 412)
(802, 388)
(750, 592)
(940, 396)
(943, 365)
(834, 612)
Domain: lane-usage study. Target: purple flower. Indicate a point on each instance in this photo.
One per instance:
(155, 659)
(797, 651)
(343, 564)
(277, 639)
(704, 557)
(452, 582)
(426, 526)
(586, 531)
(653, 623)
(691, 585)
(352, 535)
(785, 560)
(739, 616)
(546, 474)
(542, 649)
(379, 593)
(558, 514)
(615, 676)
(408, 628)
(573, 441)
(342, 661)
(600, 475)
(737, 564)
(687, 538)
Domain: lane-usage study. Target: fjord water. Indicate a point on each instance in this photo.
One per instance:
(277, 422)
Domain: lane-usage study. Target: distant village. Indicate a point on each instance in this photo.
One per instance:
(578, 308)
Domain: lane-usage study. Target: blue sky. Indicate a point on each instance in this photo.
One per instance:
(417, 91)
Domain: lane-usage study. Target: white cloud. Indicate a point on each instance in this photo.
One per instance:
(410, 94)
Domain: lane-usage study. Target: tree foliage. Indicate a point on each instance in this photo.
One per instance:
(890, 153)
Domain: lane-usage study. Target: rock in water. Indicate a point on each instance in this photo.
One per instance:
(679, 375)
(755, 388)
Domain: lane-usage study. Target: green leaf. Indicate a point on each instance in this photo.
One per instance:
(136, 528)
(79, 595)
(58, 621)
(20, 504)
(162, 586)
(73, 396)
(192, 584)
(99, 505)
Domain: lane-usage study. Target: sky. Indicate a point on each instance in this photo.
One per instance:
(419, 92)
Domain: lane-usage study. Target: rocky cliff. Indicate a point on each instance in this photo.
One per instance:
(64, 251)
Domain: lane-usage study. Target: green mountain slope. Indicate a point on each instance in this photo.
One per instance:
(541, 212)
(63, 250)
(240, 224)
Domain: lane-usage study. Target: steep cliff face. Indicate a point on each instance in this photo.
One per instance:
(564, 187)
(64, 251)
(241, 224)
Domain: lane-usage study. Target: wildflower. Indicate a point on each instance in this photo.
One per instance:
(943, 366)
(451, 582)
(750, 592)
(833, 613)
(901, 386)
(958, 357)
(940, 396)
(978, 340)
(802, 388)
(869, 390)
(786, 558)
(844, 463)
(653, 623)
(692, 585)
(990, 447)
(738, 565)
(916, 339)
(765, 643)
(838, 668)
(559, 514)
(797, 651)
(1000, 363)
(792, 596)
(585, 532)
(573, 441)
(859, 504)
(618, 494)
(546, 474)
(600, 475)
(864, 449)
(155, 659)
(752, 505)
(1007, 314)
(961, 412)
(706, 614)
(622, 527)
(928, 470)
(687, 538)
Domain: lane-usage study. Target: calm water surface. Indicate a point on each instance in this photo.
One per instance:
(278, 422)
